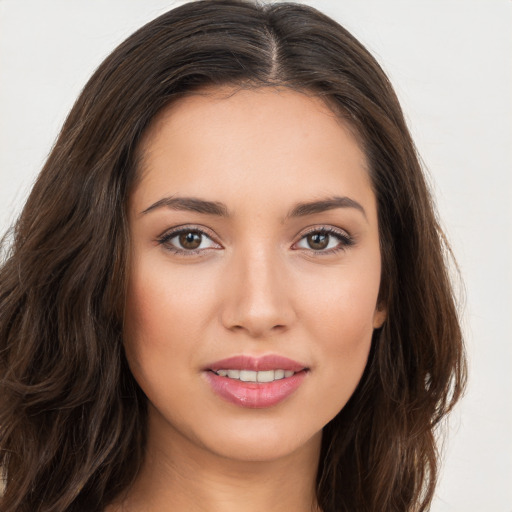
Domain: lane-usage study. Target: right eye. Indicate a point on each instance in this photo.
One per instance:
(187, 241)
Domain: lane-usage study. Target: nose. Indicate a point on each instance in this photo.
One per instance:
(258, 297)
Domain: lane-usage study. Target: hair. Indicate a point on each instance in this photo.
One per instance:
(72, 418)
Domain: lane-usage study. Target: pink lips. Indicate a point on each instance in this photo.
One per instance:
(255, 395)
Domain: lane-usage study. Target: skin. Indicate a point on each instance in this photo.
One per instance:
(255, 286)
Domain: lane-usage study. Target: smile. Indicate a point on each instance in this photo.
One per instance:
(255, 382)
(254, 376)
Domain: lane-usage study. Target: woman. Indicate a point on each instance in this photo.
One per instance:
(227, 287)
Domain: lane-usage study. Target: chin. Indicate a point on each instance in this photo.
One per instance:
(267, 446)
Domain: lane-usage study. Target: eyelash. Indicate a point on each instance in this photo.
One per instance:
(167, 237)
(344, 239)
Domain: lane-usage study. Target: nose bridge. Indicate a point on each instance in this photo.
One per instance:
(258, 296)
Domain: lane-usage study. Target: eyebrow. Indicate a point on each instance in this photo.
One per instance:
(194, 204)
(190, 204)
(303, 209)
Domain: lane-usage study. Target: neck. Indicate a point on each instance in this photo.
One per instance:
(180, 476)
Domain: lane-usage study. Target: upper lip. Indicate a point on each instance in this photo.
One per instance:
(261, 363)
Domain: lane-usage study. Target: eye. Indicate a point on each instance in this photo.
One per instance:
(187, 240)
(325, 240)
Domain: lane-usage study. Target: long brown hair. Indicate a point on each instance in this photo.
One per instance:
(72, 418)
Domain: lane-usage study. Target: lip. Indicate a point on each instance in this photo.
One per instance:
(251, 394)
(262, 363)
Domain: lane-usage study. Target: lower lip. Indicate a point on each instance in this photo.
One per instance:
(254, 395)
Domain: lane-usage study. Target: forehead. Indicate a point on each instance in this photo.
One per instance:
(272, 143)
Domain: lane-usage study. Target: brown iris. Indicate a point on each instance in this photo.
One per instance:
(190, 240)
(318, 240)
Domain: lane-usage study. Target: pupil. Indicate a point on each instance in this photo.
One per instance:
(318, 241)
(190, 240)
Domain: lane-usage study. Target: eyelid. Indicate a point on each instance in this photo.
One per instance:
(346, 240)
(171, 233)
(328, 228)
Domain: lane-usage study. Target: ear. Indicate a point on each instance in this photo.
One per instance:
(379, 316)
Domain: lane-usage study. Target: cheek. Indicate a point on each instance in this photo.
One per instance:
(345, 334)
(343, 346)
(169, 314)
(161, 300)
(157, 315)
(339, 315)
(342, 305)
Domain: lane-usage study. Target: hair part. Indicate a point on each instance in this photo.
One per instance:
(73, 420)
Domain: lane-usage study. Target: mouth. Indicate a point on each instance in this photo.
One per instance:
(258, 365)
(254, 376)
(255, 382)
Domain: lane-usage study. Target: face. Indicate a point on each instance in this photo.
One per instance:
(254, 273)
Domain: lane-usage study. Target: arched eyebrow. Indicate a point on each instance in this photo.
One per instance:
(194, 204)
(322, 205)
(191, 204)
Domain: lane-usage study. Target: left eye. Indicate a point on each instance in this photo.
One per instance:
(323, 241)
(188, 240)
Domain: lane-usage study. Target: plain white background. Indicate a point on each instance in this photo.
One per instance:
(451, 64)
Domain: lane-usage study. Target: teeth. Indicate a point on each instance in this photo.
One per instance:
(253, 376)
(278, 374)
(248, 376)
(267, 376)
